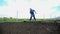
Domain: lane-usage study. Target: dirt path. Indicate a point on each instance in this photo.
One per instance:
(28, 28)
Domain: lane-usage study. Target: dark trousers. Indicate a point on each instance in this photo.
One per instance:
(32, 15)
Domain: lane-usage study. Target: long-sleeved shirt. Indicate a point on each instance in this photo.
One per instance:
(32, 11)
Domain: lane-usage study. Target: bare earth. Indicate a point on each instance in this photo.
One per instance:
(29, 28)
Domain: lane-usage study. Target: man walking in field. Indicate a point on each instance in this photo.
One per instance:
(32, 14)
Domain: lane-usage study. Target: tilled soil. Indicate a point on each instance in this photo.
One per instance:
(29, 28)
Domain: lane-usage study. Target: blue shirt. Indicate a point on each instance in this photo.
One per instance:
(32, 11)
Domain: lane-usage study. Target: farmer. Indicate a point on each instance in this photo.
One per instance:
(32, 14)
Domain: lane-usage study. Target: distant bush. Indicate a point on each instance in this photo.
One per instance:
(5, 19)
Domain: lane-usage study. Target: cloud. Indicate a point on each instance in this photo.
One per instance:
(43, 8)
(10, 10)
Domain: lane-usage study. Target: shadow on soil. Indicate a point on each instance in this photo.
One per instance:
(29, 28)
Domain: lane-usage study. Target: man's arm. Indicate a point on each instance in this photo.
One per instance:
(34, 11)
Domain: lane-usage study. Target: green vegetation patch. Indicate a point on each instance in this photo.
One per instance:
(5, 19)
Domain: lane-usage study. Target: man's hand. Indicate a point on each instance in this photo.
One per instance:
(35, 12)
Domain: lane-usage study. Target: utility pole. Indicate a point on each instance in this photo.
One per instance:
(17, 16)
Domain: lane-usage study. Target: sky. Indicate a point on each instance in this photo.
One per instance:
(44, 8)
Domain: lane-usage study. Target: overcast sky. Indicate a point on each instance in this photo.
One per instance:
(44, 8)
